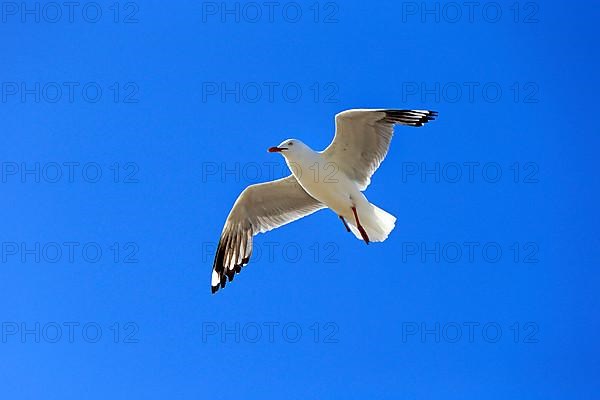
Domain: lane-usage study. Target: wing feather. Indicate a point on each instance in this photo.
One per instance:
(363, 137)
(259, 208)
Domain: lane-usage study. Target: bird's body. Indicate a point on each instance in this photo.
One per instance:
(334, 178)
(322, 178)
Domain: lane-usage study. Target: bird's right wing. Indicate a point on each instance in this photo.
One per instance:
(260, 208)
(362, 139)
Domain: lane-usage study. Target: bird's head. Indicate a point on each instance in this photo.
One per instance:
(290, 148)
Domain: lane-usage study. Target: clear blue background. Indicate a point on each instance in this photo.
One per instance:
(175, 210)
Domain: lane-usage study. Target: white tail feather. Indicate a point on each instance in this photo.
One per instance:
(377, 222)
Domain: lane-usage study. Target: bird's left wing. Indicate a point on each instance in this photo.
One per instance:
(362, 139)
(259, 208)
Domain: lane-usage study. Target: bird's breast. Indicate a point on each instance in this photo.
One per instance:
(324, 181)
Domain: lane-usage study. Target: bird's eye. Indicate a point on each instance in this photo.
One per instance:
(290, 144)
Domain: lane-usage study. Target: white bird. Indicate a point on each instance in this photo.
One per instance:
(333, 178)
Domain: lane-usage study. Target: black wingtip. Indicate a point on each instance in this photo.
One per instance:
(226, 275)
(224, 250)
(416, 118)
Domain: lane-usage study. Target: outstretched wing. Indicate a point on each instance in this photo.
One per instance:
(258, 209)
(362, 139)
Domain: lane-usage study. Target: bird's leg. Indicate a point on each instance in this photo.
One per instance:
(345, 224)
(362, 231)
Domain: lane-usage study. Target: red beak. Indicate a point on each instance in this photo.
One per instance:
(276, 149)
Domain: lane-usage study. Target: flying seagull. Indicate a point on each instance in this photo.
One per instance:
(333, 178)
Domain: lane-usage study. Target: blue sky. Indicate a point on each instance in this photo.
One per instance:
(130, 128)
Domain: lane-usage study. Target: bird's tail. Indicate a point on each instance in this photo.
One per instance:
(377, 223)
